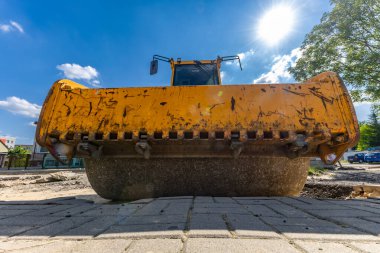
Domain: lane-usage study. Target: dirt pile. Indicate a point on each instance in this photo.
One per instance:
(43, 184)
(56, 177)
(65, 177)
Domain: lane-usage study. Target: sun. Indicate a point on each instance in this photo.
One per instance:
(276, 24)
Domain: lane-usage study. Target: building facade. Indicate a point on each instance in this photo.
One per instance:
(9, 141)
(3, 153)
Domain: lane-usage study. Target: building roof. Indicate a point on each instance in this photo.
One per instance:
(3, 148)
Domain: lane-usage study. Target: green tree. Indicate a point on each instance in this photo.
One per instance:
(346, 41)
(375, 127)
(370, 131)
(365, 137)
(15, 154)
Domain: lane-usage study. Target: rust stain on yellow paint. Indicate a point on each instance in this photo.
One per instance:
(319, 105)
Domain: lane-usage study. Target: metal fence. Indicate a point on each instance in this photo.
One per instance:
(45, 162)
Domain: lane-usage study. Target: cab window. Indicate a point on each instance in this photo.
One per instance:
(195, 74)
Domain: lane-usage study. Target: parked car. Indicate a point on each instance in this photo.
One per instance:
(357, 158)
(372, 157)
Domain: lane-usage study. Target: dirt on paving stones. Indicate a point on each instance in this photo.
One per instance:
(347, 182)
(47, 184)
(43, 184)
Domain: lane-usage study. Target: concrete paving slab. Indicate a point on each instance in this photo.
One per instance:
(368, 202)
(141, 201)
(145, 231)
(23, 220)
(216, 205)
(224, 200)
(153, 208)
(87, 246)
(257, 201)
(156, 245)
(20, 207)
(256, 198)
(21, 244)
(370, 247)
(55, 228)
(317, 247)
(242, 218)
(78, 209)
(237, 245)
(176, 198)
(111, 210)
(368, 226)
(13, 212)
(177, 209)
(374, 219)
(211, 210)
(7, 231)
(90, 229)
(198, 223)
(309, 200)
(158, 219)
(198, 218)
(50, 209)
(347, 212)
(375, 200)
(262, 210)
(250, 226)
(329, 233)
(286, 221)
(255, 231)
(74, 201)
(291, 201)
(208, 225)
(208, 232)
(366, 208)
(288, 211)
(325, 206)
(204, 199)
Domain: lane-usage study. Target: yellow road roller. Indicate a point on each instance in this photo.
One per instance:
(197, 136)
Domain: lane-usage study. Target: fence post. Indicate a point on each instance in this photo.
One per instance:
(10, 162)
(27, 160)
(43, 161)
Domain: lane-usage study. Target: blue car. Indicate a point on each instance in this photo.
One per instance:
(357, 158)
(372, 158)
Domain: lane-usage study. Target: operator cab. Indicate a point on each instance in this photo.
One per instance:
(186, 73)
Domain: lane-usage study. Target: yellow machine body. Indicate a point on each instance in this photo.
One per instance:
(311, 119)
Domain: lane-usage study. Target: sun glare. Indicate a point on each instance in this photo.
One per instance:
(276, 24)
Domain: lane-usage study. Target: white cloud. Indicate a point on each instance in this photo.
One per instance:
(246, 55)
(11, 27)
(76, 71)
(20, 106)
(244, 58)
(279, 69)
(17, 26)
(95, 83)
(5, 28)
(222, 75)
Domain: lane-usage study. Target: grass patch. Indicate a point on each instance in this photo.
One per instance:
(315, 171)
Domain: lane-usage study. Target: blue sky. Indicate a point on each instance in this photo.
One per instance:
(110, 44)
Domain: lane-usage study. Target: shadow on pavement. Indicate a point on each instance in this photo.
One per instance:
(262, 217)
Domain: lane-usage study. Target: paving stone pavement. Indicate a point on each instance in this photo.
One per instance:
(191, 224)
